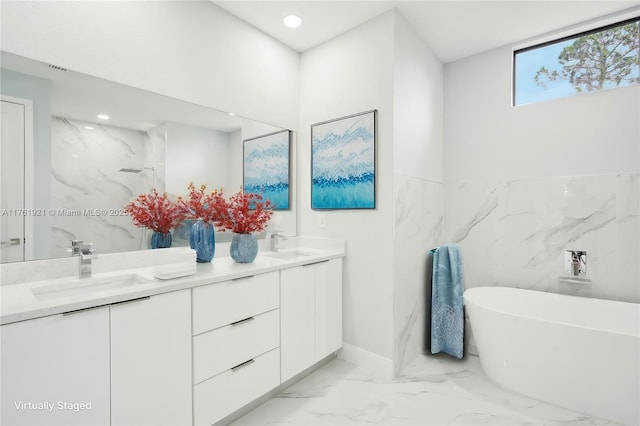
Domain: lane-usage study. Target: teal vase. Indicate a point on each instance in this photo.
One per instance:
(202, 240)
(161, 240)
(244, 248)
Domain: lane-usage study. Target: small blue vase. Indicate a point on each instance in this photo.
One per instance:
(244, 248)
(160, 240)
(202, 240)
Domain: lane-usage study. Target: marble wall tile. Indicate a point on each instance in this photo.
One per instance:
(155, 154)
(626, 279)
(514, 233)
(419, 210)
(472, 221)
(88, 192)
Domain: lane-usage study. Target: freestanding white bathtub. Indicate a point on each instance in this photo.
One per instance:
(579, 353)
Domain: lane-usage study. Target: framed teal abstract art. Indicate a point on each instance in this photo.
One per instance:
(343, 163)
(266, 167)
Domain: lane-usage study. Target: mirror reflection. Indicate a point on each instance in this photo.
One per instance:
(76, 149)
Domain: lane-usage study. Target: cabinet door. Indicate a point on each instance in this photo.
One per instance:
(297, 316)
(55, 370)
(151, 361)
(328, 277)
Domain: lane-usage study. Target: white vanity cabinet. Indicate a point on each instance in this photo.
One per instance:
(194, 354)
(297, 318)
(55, 370)
(311, 314)
(236, 339)
(127, 363)
(328, 308)
(151, 360)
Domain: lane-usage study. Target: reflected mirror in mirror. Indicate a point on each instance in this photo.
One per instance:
(76, 149)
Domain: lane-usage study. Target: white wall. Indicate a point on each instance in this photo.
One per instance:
(190, 50)
(349, 74)
(418, 188)
(418, 106)
(487, 138)
(235, 162)
(526, 183)
(196, 155)
(383, 65)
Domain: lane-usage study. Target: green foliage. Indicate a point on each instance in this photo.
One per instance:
(590, 62)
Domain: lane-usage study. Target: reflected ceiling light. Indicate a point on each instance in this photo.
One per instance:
(292, 21)
(88, 127)
(231, 114)
(103, 116)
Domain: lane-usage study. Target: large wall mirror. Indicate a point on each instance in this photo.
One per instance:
(67, 171)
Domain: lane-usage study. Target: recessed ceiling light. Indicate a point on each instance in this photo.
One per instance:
(103, 116)
(88, 127)
(292, 21)
(75, 155)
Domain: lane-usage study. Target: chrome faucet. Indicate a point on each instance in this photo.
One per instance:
(75, 247)
(578, 262)
(275, 241)
(86, 255)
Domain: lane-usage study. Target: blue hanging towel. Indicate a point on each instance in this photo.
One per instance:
(447, 314)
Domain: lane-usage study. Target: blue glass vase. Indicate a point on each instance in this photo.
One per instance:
(161, 240)
(202, 240)
(244, 248)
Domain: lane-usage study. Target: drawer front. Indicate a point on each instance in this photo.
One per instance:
(220, 349)
(220, 304)
(220, 396)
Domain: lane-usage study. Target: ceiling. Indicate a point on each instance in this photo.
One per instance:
(453, 29)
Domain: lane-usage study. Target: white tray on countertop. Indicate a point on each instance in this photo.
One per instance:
(176, 270)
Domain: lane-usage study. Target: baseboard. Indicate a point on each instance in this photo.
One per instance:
(380, 367)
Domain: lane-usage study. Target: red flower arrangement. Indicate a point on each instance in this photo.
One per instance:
(156, 212)
(202, 206)
(244, 213)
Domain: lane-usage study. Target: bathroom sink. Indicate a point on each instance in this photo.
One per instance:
(286, 254)
(85, 286)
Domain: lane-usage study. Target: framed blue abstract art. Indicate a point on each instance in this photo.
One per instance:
(266, 165)
(343, 163)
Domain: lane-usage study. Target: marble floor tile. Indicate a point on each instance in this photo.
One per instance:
(430, 391)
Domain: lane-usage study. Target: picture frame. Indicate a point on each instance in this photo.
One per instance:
(266, 168)
(343, 162)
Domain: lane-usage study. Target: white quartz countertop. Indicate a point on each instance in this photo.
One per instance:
(19, 302)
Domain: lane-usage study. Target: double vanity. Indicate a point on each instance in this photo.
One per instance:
(127, 348)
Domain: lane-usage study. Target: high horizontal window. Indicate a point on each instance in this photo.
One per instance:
(603, 58)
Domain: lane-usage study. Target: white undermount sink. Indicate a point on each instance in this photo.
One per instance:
(84, 286)
(286, 254)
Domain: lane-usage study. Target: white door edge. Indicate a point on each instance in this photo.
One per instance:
(28, 171)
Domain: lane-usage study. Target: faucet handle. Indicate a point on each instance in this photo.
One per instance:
(86, 251)
(75, 247)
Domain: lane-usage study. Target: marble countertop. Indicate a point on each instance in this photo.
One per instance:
(18, 302)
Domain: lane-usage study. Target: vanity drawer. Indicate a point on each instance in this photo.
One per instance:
(220, 349)
(220, 304)
(225, 393)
